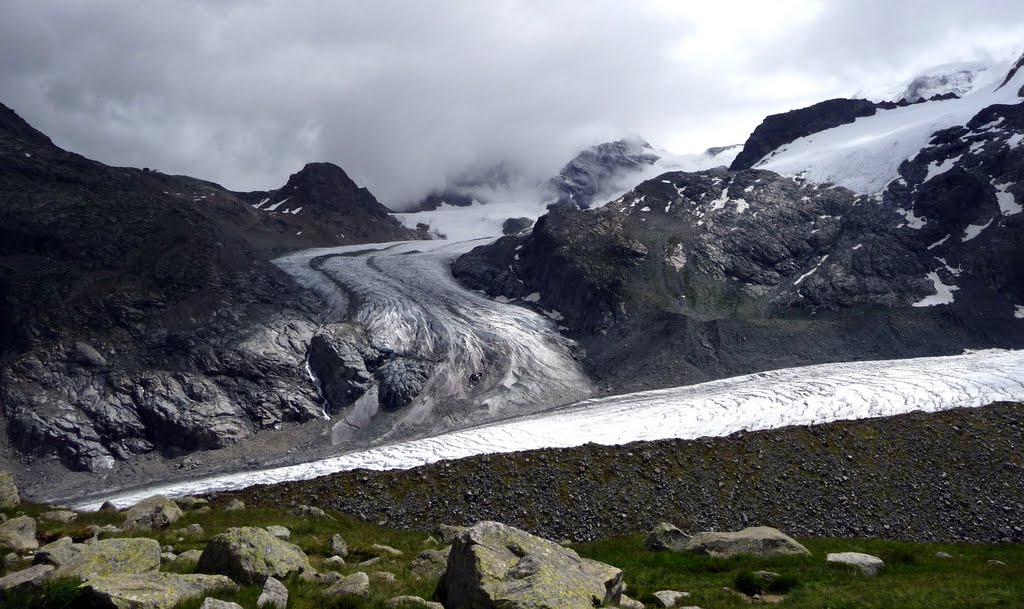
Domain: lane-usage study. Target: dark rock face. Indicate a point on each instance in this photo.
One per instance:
(916, 477)
(514, 226)
(596, 169)
(139, 312)
(780, 129)
(695, 276)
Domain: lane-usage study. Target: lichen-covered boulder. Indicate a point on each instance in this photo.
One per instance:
(279, 531)
(157, 512)
(8, 492)
(250, 555)
(665, 536)
(189, 557)
(446, 533)
(753, 541)
(493, 565)
(111, 557)
(28, 579)
(18, 534)
(150, 590)
(869, 565)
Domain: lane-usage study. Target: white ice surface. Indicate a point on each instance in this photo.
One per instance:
(767, 400)
(865, 155)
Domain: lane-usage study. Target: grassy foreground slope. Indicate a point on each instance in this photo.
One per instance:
(913, 578)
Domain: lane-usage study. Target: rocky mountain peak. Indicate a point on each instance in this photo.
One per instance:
(327, 185)
(593, 170)
(14, 127)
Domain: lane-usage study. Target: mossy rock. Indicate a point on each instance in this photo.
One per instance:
(250, 555)
(112, 557)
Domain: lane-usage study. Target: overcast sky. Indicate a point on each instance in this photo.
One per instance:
(402, 93)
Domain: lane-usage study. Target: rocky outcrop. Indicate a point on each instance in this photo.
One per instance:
(780, 129)
(57, 553)
(492, 565)
(151, 590)
(249, 556)
(18, 534)
(753, 541)
(8, 492)
(900, 478)
(869, 565)
(110, 557)
(157, 512)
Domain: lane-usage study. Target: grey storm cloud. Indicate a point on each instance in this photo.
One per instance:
(403, 94)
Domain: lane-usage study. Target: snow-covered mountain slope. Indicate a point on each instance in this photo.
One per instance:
(797, 396)
(488, 209)
(865, 155)
(957, 78)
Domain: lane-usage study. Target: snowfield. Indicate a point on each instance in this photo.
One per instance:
(865, 155)
(794, 396)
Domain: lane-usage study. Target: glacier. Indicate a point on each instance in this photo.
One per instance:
(767, 400)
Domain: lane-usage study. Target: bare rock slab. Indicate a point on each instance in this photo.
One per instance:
(753, 541)
(157, 512)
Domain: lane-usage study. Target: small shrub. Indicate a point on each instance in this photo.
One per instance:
(748, 583)
(900, 556)
(783, 584)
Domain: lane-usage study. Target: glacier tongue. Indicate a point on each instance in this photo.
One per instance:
(767, 400)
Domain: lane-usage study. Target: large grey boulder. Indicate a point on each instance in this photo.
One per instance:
(493, 565)
(213, 603)
(279, 531)
(58, 552)
(665, 536)
(18, 534)
(274, 595)
(754, 541)
(869, 565)
(8, 492)
(150, 590)
(28, 579)
(250, 555)
(356, 585)
(111, 557)
(157, 512)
